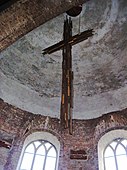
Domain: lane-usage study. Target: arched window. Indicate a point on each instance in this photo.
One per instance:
(115, 155)
(112, 150)
(40, 152)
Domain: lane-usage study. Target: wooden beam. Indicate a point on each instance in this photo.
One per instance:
(72, 41)
(67, 79)
(67, 73)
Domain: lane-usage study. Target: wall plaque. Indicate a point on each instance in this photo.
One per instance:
(78, 154)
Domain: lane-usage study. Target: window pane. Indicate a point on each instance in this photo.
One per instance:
(30, 148)
(41, 150)
(38, 163)
(120, 150)
(110, 163)
(52, 152)
(37, 143)
(50, 163)
(113, 144)
(124, 142)
(108, 152)
(39, 155)
(122, 161)
(27, 161)
(48, 145)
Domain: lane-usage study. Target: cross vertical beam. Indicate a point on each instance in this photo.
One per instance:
(67, 73)
(67, 79)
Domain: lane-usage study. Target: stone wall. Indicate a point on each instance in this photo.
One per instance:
(18, 124)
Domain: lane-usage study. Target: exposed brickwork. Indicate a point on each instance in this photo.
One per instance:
(25, 15)
(86, 134)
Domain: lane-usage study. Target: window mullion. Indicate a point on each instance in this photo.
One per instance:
(33, 157)
(104, 162)
(45, 161)
(115, 155)
(45, 156)
(125, 147)
(116, 161)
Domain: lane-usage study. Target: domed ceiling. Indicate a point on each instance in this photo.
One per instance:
(32, 81)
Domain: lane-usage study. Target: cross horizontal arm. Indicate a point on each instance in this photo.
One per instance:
(73, 40)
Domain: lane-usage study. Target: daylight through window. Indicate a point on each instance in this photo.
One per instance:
(39, 155)
(115, 155)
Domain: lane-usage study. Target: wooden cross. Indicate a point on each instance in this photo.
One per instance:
(67, 73)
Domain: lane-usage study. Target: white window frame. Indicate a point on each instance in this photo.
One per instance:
(40, 136)
(105, 140)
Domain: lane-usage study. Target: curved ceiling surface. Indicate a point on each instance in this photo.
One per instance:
(32, 81)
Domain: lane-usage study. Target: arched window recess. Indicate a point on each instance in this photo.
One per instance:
(40, 152)
(112, 150)
(115, 154)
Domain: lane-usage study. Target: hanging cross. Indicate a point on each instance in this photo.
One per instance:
(67, 73)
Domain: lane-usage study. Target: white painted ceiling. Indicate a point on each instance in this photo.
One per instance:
(32, 81)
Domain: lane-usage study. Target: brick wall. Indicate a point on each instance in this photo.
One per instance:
(18, 124)
(25, 15)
